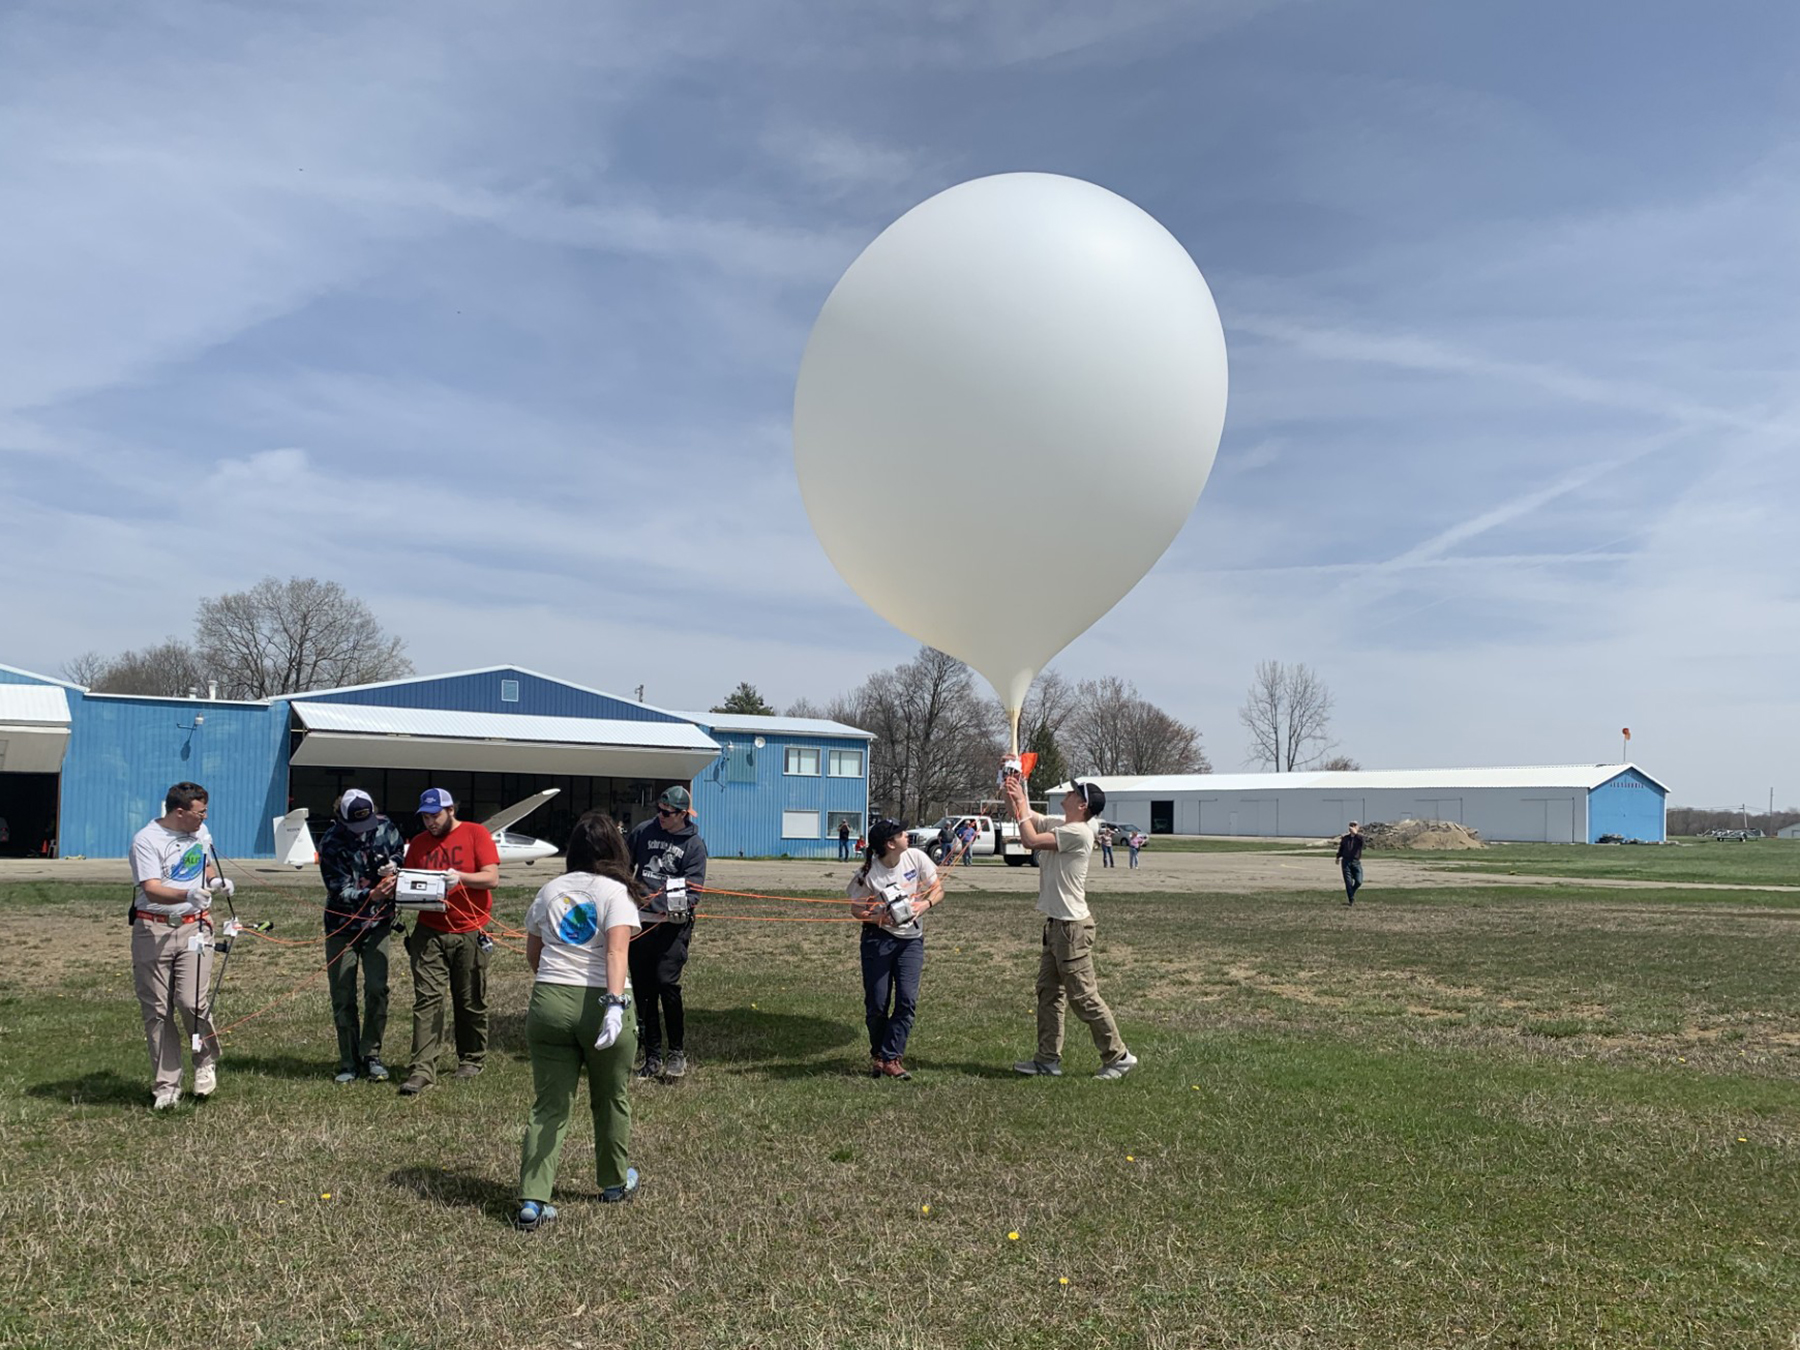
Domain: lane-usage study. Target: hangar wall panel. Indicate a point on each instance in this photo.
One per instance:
(486, 690)
(1629, 806)
(124, 753)
(744, 796)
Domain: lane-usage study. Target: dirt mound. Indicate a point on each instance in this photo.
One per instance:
(1422, 834)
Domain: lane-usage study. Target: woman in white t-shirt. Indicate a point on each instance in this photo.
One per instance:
(893, 887)
(577, 932)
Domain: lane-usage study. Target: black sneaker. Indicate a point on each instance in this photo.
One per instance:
(622, 1195)
(377, 1071)
(652, 1066)
(676, 1065)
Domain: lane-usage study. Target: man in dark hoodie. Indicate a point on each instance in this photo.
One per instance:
(359, 858)
(665, 848)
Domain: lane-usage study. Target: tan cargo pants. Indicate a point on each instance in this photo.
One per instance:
(1066, 975)
(172, 978)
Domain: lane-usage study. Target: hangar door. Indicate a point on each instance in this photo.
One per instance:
(1558, 817)
(34, 734)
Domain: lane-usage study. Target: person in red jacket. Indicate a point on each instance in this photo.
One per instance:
(449, 950)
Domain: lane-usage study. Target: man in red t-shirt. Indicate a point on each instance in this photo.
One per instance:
(449, 951)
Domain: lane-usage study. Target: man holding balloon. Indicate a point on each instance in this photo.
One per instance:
(1064, 844)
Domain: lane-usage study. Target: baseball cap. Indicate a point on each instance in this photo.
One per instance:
(882, 831)
(677, 797)
(1093, 796)
(433, 800)
(357, 810)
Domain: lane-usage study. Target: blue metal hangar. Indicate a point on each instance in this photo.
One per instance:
(81, 772)
(1550, 804)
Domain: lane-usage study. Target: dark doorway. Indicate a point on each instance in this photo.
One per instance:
(28, 808)
(1162, 817)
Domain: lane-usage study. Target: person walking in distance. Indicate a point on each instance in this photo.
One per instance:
(359, 858)
(665, 848)
(1064, 844)
(171, 941)
(1349, 856)
(450, 950)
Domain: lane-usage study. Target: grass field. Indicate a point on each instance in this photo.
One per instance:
(1756, 862)
(1494, 1117)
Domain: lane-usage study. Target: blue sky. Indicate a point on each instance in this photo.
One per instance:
(495, 320)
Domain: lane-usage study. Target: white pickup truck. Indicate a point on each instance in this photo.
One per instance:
(993, 838)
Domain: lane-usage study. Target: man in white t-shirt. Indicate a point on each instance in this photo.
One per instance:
(171, 940)
(1063, 845)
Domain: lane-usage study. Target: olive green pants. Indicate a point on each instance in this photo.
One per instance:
(1066, 977)
(560, 1030)
(449, 966)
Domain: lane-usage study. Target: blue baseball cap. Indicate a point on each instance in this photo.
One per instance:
(433, 800)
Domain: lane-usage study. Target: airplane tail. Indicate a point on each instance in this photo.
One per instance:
(293, 839)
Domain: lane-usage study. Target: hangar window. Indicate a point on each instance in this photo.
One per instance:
(509, 691)
(802, 761)
(845, 764)
(799, 824)
(851, 818)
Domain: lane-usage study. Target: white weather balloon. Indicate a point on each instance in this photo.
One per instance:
(1024, 374)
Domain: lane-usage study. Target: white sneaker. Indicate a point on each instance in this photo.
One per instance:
(166, 1099)
(1118, 1068)
(206, 1081)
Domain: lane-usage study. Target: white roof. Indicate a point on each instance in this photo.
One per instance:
(444, 723)
(776, 726)
(34, 704)
(1522, 776)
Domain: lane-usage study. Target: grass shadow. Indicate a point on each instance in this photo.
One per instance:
(751, 1036)
(104, 1088)
(281, 1066)
(456, 1189)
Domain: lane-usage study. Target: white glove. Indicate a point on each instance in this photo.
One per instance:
(223, 884)
(610, 1027)
(452, 878)
(199, 899)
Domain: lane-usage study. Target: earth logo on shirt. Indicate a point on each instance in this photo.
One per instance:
(192, 863)
(579, 923)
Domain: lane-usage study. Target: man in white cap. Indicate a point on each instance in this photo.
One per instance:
(1063, 845)
(449, 950)
(359, 859)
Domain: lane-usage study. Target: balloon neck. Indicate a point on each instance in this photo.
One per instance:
(1012, 719)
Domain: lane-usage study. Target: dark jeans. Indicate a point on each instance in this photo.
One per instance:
(1352, 880)
(844, 848)
(891, 968)
(1106, 858)
(656, 961)
(359, 1039)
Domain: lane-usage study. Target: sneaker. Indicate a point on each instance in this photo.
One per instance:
(893, 1068)
(414, 1085)
(206, 1081)
(468, 1070)
(652, 1066)
(615, 1195)
(377, 1071)
(676, 1066)
(1118, 1068)
(344, 1076)
(533, 1215)
(1047, 1068)
(166, 1099)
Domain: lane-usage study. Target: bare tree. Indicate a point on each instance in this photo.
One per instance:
(171, 669)
(86, 670)
(804, 707)
(1288, 715)
(1114, 730)
(285, 637)
(1340, 764)
(935, 741)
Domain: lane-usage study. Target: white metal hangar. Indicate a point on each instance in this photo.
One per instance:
(1554, 803)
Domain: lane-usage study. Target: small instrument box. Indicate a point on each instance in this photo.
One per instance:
(419, 890)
